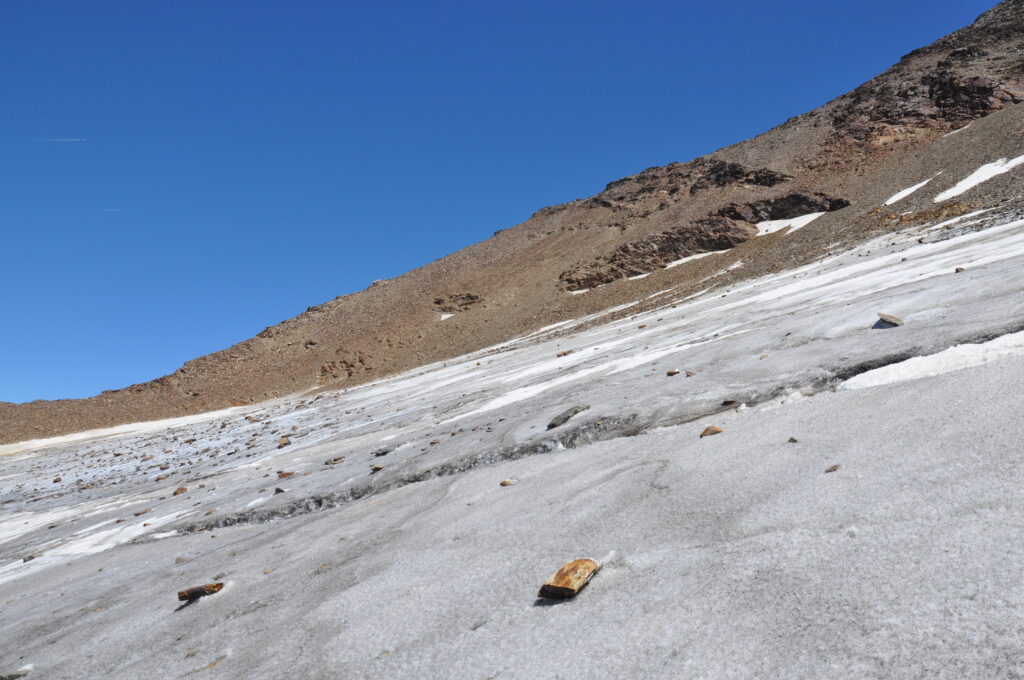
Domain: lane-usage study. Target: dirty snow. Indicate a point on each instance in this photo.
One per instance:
(730, 556)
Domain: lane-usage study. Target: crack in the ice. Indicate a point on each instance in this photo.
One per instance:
(599, 429)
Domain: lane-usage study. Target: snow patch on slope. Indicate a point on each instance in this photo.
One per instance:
(794, 223)
(982, 174)
(900, 195)
(688, 258)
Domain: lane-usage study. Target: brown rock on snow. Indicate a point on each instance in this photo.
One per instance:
(568, 581)
(710, 430)
(194, 593)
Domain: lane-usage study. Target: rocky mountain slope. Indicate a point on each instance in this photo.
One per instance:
(775, 482)
(835, 160)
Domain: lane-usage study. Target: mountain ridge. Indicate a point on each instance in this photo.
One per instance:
(524, 276)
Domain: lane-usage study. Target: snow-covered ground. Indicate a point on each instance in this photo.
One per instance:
(735, 555)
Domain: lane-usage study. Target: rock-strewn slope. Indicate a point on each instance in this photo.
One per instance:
(835, 159)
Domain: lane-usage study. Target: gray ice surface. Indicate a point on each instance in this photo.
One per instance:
(735, 555)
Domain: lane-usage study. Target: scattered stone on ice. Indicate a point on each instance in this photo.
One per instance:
(14, 675)
(376, 468)
(831, 468)
(382, 452)
(180, 490)
(792, 440)
(180, 560)
(672, 372)
(335, 460)
(56, 480)
(563, 353)
(729, 402)
(959, 270)
(142, 512)
(890, 319)
(690, 374)
(281, 474)
(569, 580)
(710, 430)
(509, 482)
(284, 441)
(563, 418)
(196, 592)
(278, 490)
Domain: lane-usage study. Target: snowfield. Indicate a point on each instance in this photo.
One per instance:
(743, 554)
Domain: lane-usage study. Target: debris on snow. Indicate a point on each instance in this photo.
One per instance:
(563, 417)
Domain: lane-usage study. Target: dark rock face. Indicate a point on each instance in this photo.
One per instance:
(964, 99)
(721, 174)
(782, 208)
(967, 75)
(654, 252)
(456, 302)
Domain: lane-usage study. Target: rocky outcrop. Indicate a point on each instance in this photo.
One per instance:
(654, 252)
(782, 208)
(456, 302)
(722, 174)
(724, 229)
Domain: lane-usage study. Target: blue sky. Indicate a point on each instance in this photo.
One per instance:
(232, 163)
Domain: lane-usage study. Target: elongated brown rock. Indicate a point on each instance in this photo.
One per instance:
(196, 592)
(710, 430)
(569, 580)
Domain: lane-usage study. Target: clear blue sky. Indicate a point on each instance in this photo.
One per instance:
(241, 161)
